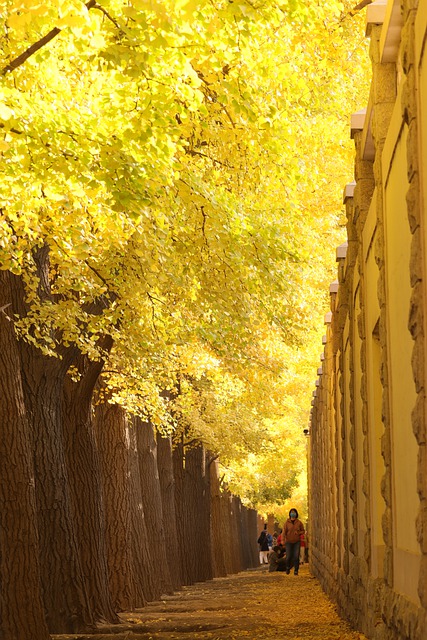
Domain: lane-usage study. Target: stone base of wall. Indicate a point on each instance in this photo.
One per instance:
(370, 606)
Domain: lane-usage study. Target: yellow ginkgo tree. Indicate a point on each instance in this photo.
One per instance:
(168, 208)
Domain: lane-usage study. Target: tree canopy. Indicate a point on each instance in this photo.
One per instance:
(179, 165)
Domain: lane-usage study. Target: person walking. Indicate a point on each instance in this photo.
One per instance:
(292, 532)
(263, 546)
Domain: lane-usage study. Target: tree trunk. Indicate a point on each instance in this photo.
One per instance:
(246, 552)
(113, 444)
(167, 488)
(21, 608)
(236, 533)
(65, 600)
(182, 523)
(152, 501)
(146, 583)
(253, 536)
(216, 529)
(197, 505)
(226, 536)
(86, 487)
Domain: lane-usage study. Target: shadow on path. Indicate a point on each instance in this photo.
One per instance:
(253, 605)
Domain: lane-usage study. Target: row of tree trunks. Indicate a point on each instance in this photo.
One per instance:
(98, 514)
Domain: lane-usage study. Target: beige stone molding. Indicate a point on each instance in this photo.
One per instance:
(357, 121)
(342, 251)
(390, 34)
(375, 14)
(361, 121)
(348, 191)
(333, 287)
(368, 146)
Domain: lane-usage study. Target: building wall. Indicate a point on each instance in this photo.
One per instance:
(367, 453)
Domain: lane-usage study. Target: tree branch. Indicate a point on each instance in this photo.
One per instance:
(211, 459)
(107, 15)
(17, 62)
(359, 7)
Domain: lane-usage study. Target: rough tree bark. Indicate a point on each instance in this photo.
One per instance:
(253, 536)
(167, 488)
(65, 600)
(218, 561)
(86, 487)
(113, 445)
(182, 524)
(226, 538)
(246, 550)
(146, 583)
(197, 504)
(235, 505)
(21, 606)
(152, 501)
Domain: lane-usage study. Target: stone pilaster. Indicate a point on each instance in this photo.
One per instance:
(417, 322)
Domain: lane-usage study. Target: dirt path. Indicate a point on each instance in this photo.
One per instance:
(252, 605)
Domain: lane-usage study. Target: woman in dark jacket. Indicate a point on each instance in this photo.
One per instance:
(292, 531)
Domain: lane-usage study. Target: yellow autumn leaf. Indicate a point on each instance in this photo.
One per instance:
(71, 20)
(5, 112)
(98, 41)
(51, 194)
(18, 20)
